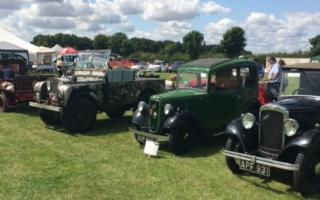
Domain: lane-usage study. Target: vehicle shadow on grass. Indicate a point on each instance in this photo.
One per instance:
(24, 109)
(284, 177)
(204, 148)
(101, 127)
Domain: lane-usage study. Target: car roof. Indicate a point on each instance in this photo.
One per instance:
(205, 62)
(303, 66)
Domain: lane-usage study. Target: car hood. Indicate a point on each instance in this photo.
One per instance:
(178, 94)
(300, 103)
(304, 109)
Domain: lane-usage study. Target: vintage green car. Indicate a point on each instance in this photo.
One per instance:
(209, 93)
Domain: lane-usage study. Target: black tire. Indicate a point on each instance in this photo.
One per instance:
(233, 144)
(49, 117)
(79, 115)
(3, 103)
(116, 113)
(306, 180)
(183, 137)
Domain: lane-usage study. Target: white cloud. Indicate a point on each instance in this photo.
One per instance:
(129, 7)
(168, 10)
(212, 7)
(172, 30)
(267, 33)
(213, 31)
(127, 27)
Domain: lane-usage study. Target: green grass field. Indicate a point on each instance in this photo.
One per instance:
(39, 162)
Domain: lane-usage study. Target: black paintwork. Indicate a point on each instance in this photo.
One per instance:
(304, 109)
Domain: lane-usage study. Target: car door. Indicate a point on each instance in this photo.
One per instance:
(248, 82)
(223, 98)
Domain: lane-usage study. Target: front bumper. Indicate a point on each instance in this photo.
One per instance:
(46, 107)
(262, 161)
(148, 135)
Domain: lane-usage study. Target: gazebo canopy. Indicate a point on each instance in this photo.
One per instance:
(68, 51)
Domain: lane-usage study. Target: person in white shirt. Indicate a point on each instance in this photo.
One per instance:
(274, 69)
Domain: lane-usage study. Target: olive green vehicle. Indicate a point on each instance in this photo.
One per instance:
(75, 100)
(210, 93)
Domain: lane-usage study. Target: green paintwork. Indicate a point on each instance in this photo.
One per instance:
(212, 109)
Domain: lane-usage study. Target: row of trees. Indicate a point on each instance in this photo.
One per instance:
(193, 45)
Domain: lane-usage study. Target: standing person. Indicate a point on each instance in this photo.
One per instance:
(274, 69)
(273, 87)
(282, 78)
(260, 68)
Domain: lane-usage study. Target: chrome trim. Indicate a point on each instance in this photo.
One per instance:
(277, 108)
(262, 161)
(45, 107)
(157, 138)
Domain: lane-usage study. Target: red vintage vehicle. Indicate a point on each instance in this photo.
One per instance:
(116, 61)
(20, 88)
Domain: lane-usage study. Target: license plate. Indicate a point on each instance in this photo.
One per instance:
(141, 138)
(255, 168)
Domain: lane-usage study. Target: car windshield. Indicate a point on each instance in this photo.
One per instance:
(194, 80)
(305, 82)
(93, 59)
(157, 63)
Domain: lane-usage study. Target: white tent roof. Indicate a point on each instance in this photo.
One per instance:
(57, 48)
(6, 36)
(42, 49)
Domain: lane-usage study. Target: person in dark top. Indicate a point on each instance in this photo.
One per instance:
(260, 68)
(8, 73)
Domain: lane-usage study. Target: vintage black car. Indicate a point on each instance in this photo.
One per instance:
(287, 134)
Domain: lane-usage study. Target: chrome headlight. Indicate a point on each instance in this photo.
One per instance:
(49, 86)
(168, 108)
(248, 120)
(142, 106)
(290, 127)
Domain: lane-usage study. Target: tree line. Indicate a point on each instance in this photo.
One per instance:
(192, 46)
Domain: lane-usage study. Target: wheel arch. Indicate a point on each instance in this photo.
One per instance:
(303, 142)
(86, 93)
(172, 121)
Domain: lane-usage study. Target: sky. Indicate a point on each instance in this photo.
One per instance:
(270, 25)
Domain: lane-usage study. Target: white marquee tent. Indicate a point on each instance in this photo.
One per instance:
(6, 36)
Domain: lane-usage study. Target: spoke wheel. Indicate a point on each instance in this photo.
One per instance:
(183, 137)
(307, 179)
(79, 115)
(233, 144)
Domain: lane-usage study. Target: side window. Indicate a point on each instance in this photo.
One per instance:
(246, 77)
(224, 80)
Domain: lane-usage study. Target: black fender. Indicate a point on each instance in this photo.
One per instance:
(140, 119)
(247, 138)
(302, 142)
(78, 93)
(170, 123)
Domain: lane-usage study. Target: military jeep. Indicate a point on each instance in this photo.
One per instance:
(286, 134)
(76, 99)
(209, 93)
